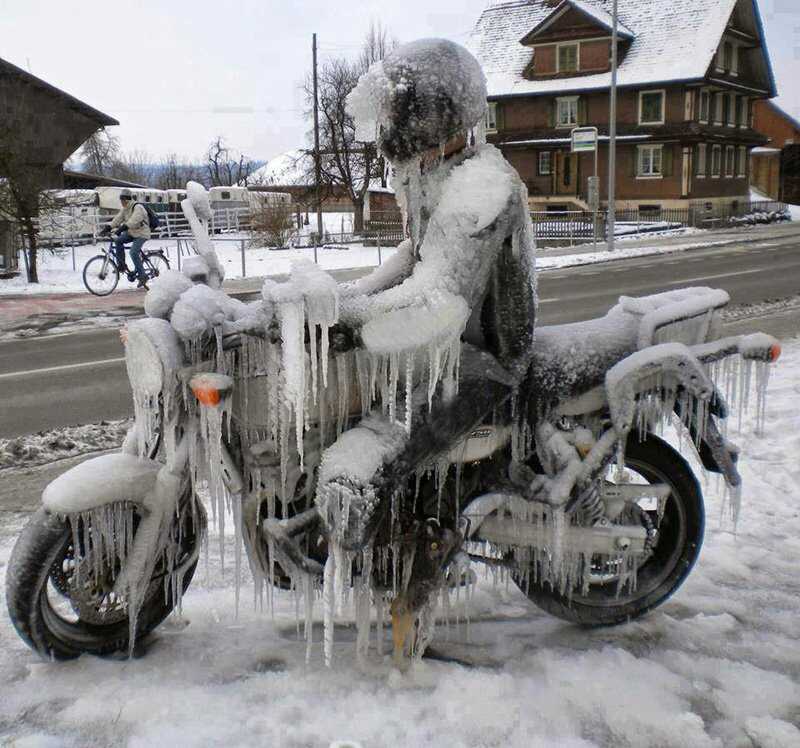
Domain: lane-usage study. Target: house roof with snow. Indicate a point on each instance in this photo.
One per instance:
(670, 41)
(294, 168)
(602, 18)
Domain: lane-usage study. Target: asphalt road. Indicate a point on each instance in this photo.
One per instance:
(80, 378)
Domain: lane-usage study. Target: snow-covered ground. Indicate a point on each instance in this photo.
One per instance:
(621, 252)
(718, 665)
(57, 276)
(56, 444)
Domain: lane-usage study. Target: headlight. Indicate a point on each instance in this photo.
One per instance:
(153, 355)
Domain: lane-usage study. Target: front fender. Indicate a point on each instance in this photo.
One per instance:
(103, 480)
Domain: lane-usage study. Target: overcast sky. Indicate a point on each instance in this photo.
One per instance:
(176, 74)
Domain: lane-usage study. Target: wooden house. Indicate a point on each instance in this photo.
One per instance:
(689, 73)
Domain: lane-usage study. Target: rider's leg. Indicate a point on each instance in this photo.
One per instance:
(354, 494)
(119, 245)
(136, 256)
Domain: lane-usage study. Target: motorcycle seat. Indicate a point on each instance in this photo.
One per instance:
(570, 360)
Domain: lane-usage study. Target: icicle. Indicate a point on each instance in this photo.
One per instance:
(343, 386)
(363, 606)
(294, 365)
(312, 337)
(212, 418)
(308, 590)
(328, 605)
(409, 390)
(762, 382)
(380, 616)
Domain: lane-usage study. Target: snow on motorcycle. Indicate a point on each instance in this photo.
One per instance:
(373, 442)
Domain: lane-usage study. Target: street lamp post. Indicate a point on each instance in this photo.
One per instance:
(612, 135)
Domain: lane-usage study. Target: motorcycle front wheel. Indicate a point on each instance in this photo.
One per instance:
(680, 536)
(61, 614)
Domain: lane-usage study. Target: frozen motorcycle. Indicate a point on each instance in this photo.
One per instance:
(385, 438)
(567, 487)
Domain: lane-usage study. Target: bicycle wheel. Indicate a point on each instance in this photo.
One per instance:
(157, 263)
(100, 275)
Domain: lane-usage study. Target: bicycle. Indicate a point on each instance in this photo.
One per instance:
(101, 273)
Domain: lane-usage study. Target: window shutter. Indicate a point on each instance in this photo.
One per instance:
(583, 117)
(551, 113)
(666, 160)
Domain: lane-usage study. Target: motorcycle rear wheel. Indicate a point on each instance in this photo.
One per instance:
(44, 620)
(679, 542)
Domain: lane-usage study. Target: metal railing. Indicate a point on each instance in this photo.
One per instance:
(578, 227)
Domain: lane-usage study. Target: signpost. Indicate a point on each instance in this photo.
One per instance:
(584, 140)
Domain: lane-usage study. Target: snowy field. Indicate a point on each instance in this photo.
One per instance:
(718, 665)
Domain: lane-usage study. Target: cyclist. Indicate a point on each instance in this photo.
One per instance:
(133, 227)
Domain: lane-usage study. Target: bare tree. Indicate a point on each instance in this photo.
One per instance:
(346, 163)
(377, 44)
(226, 167)
(174, 173)
(133, 166)
(100, 153)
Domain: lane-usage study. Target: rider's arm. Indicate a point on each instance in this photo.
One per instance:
(391, 273)
(118, 219)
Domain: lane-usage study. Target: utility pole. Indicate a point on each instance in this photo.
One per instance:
(316, 144)
(612, 136)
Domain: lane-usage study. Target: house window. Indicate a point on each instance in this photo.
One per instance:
(225, 195)
(651, 107)
(650, 159)
(745, 121)
(742, 170)
(739, 111)
(705, 103)
(718, 105)
(726, 109)
(545, 164)
(702, 166)
(727, 56)
(732, 111)
(730, 161)
(735, 60)
(567, 112)
(716, 161)
(491, 117)
(568, 58)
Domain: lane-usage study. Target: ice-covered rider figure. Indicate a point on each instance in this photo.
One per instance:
(470, 258)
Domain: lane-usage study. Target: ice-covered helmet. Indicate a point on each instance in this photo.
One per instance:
(422, 94)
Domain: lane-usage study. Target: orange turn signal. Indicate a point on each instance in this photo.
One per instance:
(774, 353)
(206, 395)
(210, 389)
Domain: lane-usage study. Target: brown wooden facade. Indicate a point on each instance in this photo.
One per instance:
(776, 169)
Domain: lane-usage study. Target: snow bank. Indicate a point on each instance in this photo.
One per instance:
(70, 441)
